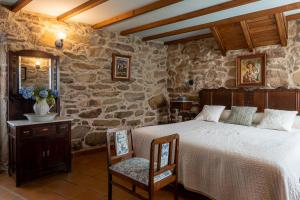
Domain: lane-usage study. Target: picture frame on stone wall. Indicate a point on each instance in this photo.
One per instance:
(251, 70)
(121, 67)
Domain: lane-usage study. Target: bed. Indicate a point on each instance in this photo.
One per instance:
(234, 162)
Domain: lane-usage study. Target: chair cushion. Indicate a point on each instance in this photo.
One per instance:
(138, 170)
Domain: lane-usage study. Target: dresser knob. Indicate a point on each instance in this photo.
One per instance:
(45, 129)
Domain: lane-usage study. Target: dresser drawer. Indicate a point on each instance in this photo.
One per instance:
(62, 129)
(44, 130)
(26, 132)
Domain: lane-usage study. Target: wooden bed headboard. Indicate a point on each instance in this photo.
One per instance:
(280, 98)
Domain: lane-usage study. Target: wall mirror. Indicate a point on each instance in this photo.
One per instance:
(30, 68)
(34, 72)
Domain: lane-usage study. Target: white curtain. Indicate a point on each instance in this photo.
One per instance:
(3, 103)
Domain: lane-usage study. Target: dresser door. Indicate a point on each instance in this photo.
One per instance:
(56, 151)
(32, 155)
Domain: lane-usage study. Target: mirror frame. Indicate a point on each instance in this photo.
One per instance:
(17, 105)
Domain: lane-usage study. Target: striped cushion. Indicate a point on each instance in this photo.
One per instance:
(241, 115)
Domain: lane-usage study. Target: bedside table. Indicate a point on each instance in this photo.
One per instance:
(181, 109)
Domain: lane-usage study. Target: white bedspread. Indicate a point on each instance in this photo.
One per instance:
(232, 162)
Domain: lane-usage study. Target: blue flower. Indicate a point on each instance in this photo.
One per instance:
(43, 94)
(27, 93)
(54, 93)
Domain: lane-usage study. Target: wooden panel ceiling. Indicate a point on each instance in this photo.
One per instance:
(260, 31)
(263, 31)
(232, 36)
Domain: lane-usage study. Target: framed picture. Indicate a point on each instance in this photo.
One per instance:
(121, 67)
(23, 73)
(251, 70)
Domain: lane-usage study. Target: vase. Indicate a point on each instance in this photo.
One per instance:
(41, 107)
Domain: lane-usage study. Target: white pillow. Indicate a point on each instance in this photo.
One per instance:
(297, 122)
(210, 113)
(278, 119)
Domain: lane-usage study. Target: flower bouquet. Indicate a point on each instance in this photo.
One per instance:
(44, 98)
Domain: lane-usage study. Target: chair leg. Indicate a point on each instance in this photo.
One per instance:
(176, 191)
(151, 195)
(109, 187)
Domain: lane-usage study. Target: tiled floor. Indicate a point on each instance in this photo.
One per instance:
(88, 181)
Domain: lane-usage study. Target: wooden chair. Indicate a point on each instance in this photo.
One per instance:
(148, 175)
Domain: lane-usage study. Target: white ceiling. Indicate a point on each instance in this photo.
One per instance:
(109, 9)
(52, 7)
(113, 8)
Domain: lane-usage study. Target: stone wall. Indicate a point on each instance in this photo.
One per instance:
(203, 62)
(87, 92)
(3, 103)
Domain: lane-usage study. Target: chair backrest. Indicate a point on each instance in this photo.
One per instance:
(119, 145)
(167, 156)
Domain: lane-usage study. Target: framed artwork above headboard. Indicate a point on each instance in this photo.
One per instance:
(280, 98)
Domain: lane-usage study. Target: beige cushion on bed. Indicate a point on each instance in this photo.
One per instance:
(224, 116)
(210, 113)
(278, 119)
(256, 119)
(241, 115)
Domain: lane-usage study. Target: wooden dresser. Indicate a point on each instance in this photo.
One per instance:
(37, 148)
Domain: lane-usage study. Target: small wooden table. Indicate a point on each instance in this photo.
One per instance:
(38, 148)
(184, 109)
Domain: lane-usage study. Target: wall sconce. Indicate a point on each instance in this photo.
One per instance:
(37, 64)
(59, 43)
(189, 82)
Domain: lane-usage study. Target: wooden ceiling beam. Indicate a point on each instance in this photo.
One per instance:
(293, 17)
(286, 24)
(218, 39)
(19, 5)
(136, 12)
(79, 9)
(230, 20)
(188, 39)
(281, 27)
(247, 35)
(190, 15)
